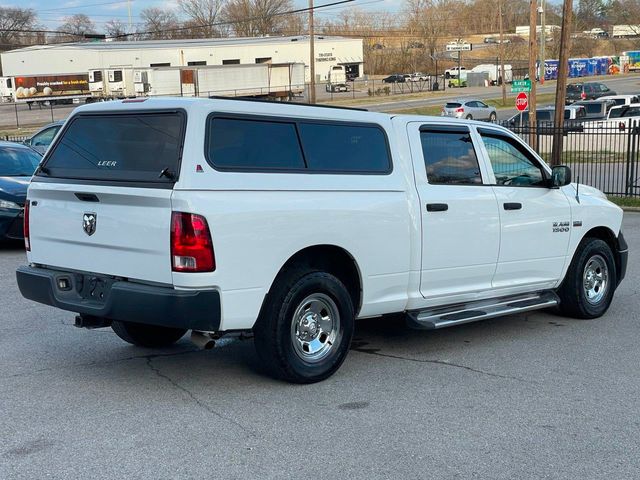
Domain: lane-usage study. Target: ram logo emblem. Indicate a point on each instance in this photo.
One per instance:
(89, 221)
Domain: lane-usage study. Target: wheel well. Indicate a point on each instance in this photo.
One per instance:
(331, 259)
(605, 234)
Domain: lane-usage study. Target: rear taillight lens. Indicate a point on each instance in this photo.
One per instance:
(460, 110)
(583, 96)
(27, 242)
(191, 245)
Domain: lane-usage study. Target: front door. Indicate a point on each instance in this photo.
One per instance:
(535, 219)
(459, 213)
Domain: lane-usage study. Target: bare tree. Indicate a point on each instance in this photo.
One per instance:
(159, 23)
(115, 28)
(13, 21)
(77, 25)
(202, 14)
(256, 17)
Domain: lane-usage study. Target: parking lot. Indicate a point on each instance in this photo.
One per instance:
(526, 396)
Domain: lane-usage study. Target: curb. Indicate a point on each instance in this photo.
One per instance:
(631, 209)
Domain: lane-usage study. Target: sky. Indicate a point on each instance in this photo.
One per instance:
(51, 13)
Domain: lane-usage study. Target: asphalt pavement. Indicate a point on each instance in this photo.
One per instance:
(530, 396)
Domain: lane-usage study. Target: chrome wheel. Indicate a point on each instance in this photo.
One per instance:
(315, 327)
(595, 279)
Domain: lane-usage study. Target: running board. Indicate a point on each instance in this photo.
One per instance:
(448, 316)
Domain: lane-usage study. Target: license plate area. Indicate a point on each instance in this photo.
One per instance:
(93, 287)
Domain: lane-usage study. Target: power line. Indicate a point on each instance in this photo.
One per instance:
(81, 6)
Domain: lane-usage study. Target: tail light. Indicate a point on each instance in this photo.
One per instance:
(191, 245)
(622, 126)
(583, 96)
(460, 110)
(27, 242)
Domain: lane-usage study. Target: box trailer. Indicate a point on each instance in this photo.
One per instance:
(61, 88)
(494, 72)
(112, 83)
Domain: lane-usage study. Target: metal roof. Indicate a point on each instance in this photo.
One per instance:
(184, 43)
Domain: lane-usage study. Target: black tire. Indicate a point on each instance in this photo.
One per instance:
(573, 297)
(493, 117)
(149, 336)
(469, 117)
(273, 333)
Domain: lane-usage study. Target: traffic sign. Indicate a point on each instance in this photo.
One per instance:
(522, 102)
(521, 86)
(459, 47)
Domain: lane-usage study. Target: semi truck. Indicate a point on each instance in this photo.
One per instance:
(253, 80)
(62, 88)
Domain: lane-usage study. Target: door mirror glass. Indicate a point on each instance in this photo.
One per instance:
(560, 176)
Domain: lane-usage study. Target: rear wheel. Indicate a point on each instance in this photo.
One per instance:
(588, 287)
(469, 117)
(150, 336)
(493, 117)
(305, 327)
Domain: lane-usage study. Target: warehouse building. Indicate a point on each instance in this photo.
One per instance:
(81, 57)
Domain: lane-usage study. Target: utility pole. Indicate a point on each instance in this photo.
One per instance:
(561, 85)
(129, 8)
(504, 83)
(312, 57)
(533, 17)
(543, 39)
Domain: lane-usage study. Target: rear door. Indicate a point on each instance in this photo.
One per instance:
(459, 212)
(102, 201)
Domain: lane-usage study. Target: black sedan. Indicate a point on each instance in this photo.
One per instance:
(394, 79)
(17, 164)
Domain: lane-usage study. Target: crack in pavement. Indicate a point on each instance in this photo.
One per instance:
(192, 396)
(369, 351)
(91, 364)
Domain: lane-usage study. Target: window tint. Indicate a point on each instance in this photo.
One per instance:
(133, 147)
(593, 108)
(18, 162)
(482, 105)
(346, 148)
(253, 144)
(511, 165)
(632, 112)
(567, 114)
(544, 116)
(574, 88)
(449, 157)
(44, 138)
(619, 101)
(453, 105)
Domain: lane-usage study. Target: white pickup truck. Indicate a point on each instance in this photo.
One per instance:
(289, 221)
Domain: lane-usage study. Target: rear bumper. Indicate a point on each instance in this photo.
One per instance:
(122, 300)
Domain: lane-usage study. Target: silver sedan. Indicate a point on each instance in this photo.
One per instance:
(470, 109)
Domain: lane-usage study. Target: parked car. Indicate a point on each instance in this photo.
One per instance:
(413, 45)
(596, 109)
(469, 108)
(622, 99)
(587, 91)
(288, 222)
(545, 120)
(490, 40)
(418, 77)
(17, 164)
(41, 140)
(457, 83)
(619, 118)
(455, 72)
(396, 78)
(337, 87)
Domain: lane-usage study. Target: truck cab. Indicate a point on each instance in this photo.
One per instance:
(227, 217)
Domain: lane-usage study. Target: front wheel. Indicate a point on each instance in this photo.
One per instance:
(149, 336)
(305, 328)
(591, 280)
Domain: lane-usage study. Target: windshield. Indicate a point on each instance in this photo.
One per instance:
(18, 162)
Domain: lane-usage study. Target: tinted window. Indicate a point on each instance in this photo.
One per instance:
(453, 105)
(511, 165)
(544, 116)
(17, 162)
(593, 108)
(45, 137)
(253, 144)
(574, 88)
(344, 148)
(134, 147)
(567, 114)
(616, 112)
(619, 101)
(632, 112)
(450, 158)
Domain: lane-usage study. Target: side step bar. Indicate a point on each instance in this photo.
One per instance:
(441, 317)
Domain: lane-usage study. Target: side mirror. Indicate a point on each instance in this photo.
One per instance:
(560, 176)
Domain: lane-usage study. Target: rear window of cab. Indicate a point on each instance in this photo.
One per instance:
(266, 144)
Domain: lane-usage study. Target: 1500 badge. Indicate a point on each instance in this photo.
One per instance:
(560, 227)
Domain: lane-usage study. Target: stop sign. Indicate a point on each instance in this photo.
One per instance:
(522, 102)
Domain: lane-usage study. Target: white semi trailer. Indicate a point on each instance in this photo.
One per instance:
(259, 80)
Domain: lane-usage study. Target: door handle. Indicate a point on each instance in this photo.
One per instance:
(437, 207)
(512, 206)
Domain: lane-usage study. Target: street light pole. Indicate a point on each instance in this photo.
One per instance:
(504, 83)
(543, 39)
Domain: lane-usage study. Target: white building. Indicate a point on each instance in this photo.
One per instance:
(523, 30)
(82, 57)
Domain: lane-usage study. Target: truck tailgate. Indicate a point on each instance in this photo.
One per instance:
(129, 237)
